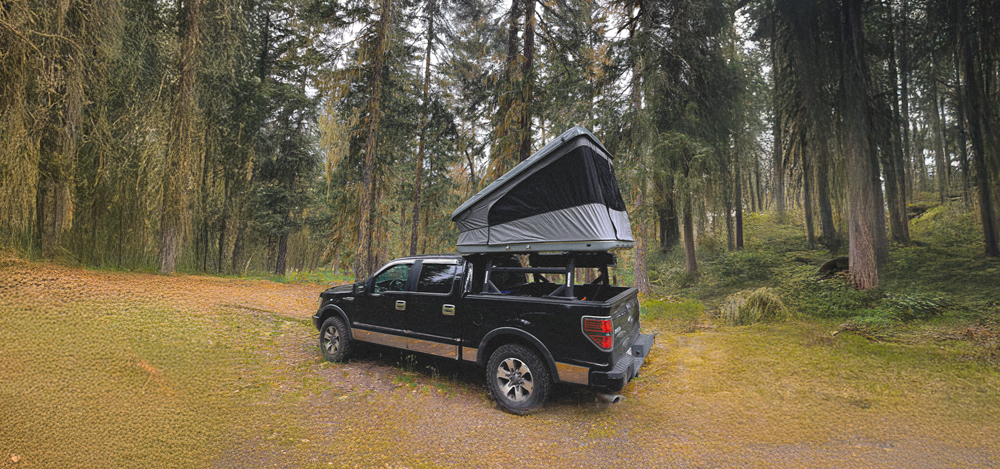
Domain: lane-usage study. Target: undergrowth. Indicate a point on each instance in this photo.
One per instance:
(326, 277)
(941, 282)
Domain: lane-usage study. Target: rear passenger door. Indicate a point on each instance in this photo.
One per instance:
(432, 319)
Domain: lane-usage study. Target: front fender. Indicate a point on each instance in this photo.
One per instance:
(332, 310)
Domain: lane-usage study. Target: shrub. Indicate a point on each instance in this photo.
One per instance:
(710, 246)
(750, 307)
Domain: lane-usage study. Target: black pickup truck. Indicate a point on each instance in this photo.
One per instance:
(525, 318)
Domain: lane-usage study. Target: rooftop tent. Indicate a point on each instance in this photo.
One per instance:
(563, 198)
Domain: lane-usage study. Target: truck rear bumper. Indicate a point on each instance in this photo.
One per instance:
(626, 368)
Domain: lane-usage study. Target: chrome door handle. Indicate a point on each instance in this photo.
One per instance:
(400, 305)
(448, 310)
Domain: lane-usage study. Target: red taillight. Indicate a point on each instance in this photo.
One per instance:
(602, 341)
(597, 325)
(599, 331)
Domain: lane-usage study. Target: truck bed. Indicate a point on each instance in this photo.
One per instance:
(586, 292)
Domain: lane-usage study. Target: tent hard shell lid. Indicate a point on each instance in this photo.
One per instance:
(563, 198)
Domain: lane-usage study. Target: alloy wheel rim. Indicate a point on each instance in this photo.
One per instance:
(515, 380)
(331, 340)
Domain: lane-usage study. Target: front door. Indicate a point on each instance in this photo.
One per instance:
(382, 318)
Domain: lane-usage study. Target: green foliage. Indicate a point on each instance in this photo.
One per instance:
(670, 277)
(895, 310)
(919, 284)
(824, 298)
(754, 264)
(950, 224)
(914, 307)
(710, 246)
(751, 307)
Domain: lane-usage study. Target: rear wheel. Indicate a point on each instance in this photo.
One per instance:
(334, 340)
(518, 378)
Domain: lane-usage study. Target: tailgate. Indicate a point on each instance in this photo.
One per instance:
(625, 321)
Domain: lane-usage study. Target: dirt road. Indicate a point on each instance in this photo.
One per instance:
(780, 396)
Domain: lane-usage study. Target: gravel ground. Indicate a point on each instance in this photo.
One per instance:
(389, 409)
(711, 398)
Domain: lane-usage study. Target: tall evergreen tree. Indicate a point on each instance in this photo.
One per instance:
(866, 220)
(175, 216)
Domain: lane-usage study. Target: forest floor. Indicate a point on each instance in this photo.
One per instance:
(109, 369)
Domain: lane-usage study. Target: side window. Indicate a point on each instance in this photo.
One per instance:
(436, 278)
(391, 279)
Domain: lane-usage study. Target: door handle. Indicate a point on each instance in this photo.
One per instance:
(400, 305)
(448, 310)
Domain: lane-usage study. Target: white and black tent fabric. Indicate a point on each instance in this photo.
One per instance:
(565, 197)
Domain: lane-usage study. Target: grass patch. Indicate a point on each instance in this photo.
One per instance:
(143, 386)
(753, 306)
(322, 276)
(676, 315)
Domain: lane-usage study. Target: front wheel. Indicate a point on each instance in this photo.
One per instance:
(519, 380)
(334, 340)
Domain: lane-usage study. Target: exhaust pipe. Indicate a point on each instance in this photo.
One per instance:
(610, 398)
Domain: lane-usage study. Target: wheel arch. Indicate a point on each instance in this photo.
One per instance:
(334, 310)
(509, 335)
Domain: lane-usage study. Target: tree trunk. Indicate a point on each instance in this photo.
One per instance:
(727, 202)
(175, 211)
(526, 78)
(640, 269)
(364, 258)
(887, 143)
(282, 255)
(238, 252)
(759, 185)
(960, 121)
(62, 81)
(807, 194)
(866, 220)
(897, 215)
(937, 134)
(739, 203)
(904, 66)
(670, 233)
(979, 129)
(830, 237)
(690, 263)
(901, 225)
(431, 12)
(777, 151)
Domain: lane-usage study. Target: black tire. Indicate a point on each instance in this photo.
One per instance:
(334, 340)
(518, 379)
